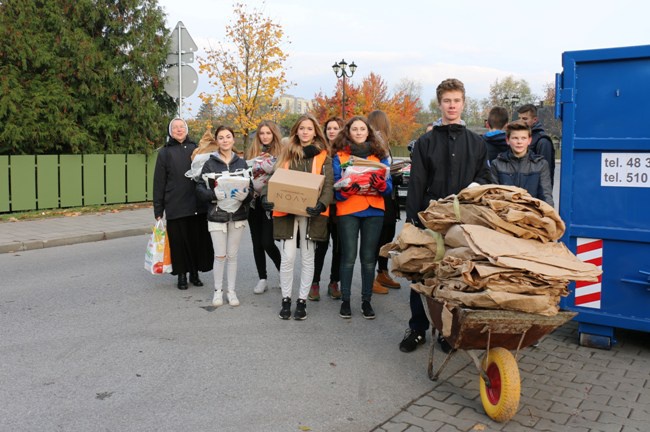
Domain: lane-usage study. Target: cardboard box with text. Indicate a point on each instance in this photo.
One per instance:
(293, 191)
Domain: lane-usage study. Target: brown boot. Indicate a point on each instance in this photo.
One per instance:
(377, 288)
(333, 290)
(314, 292)
(383, 277)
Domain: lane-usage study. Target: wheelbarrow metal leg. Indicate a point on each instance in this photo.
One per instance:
(521, 339)
(433, 377)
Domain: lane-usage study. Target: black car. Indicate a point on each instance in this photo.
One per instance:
(402, 166)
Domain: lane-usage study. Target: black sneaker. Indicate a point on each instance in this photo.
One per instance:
(345, 311)
(301, 312)
(412, 339)
(366, 310)
(285, 312)
(444, 345)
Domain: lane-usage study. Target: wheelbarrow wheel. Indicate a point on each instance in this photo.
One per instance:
(501, 398)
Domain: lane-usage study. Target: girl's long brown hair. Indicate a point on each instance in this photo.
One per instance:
(337, 120)
(223, 128)
(381, 124)
(343, 140)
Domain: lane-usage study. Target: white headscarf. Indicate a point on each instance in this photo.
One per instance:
(169, 128)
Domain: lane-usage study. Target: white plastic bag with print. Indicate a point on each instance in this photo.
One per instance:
(157, 258)
(229, 183)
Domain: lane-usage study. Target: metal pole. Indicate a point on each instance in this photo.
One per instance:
(343, 99)
(180, 76)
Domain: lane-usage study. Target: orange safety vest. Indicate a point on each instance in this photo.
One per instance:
(357, 203)
(316, 168)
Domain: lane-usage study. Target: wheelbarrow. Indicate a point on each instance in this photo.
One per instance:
(497, 332)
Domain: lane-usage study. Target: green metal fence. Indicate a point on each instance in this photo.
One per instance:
(29, 182)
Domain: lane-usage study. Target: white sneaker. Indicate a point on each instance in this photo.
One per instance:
(217, 300)
(232, 298)
(260, 287)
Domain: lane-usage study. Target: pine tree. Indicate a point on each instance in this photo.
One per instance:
(82, 76)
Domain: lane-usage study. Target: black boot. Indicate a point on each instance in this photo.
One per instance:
(194, 278)
(182, 281)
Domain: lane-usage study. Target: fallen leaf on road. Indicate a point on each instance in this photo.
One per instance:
(304, 428)
(478, 427)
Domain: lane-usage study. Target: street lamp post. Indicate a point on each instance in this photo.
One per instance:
(511, 100)
(341, 71)
(275, 108)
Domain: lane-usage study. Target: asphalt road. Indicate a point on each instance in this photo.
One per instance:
(90, 341)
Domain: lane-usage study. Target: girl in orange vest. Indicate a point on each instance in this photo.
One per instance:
(306, 151)
(359, 215)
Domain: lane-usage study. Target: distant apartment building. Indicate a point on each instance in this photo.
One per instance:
(295, 105)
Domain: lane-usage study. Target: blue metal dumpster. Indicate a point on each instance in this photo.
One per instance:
(603, 99)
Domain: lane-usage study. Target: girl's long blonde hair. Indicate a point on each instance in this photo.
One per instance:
(256, 147)
(293, 150)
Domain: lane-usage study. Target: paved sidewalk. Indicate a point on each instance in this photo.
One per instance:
(564, 387)
(67, 230)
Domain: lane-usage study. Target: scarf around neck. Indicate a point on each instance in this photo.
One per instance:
(360, 150)
(310, 151)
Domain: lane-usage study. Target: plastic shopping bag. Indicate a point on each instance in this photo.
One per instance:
(262, 168)
(154, 256)
(361, 176)
(229, 183)
(167, 256)
(197, 166)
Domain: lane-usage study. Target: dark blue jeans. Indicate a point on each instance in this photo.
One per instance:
(349, 229)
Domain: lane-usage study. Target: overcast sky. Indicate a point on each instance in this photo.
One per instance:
(426, 40)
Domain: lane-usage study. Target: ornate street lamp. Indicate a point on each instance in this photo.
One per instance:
(275, 107)
(341, 71)
(511, 100)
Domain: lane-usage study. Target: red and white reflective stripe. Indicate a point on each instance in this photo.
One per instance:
(588, 293)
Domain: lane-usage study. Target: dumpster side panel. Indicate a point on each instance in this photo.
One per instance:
(605, 183)
(615, 206)
(609, 99)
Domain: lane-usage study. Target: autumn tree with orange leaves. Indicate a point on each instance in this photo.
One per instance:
(249, 77)
(402, 106)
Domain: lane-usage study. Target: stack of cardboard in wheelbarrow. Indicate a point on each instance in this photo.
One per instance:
(489, 247)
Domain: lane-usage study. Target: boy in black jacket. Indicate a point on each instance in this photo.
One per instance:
(541, 144)
(519, 166)
(445, 160)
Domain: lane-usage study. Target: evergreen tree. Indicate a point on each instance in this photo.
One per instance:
(207, 112)
(82, 76)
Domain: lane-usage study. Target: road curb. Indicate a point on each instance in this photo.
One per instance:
(70, 240)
